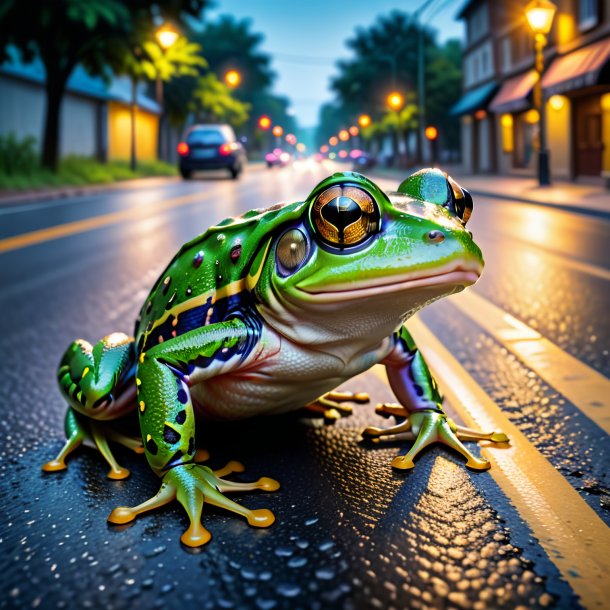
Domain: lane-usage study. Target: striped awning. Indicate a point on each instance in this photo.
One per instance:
(514, 94)
(584, 67)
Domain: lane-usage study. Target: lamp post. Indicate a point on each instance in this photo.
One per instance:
(395, 102)
(539, 14)
(166, 36)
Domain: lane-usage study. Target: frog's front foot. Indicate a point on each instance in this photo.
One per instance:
(427, 427)
(331, 407)
(193, 485)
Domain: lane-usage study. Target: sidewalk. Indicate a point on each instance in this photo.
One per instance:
(584, 198)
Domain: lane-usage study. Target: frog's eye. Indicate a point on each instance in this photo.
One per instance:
(345, 215)
(291, 250)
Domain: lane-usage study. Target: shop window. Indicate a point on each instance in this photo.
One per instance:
(588, 14)
(506, 51)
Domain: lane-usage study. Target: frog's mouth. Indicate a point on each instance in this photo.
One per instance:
(463, 274)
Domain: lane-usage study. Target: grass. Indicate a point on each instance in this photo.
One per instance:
(79, 171)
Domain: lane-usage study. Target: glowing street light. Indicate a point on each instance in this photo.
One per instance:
(333, 140)
(431, 133)
(324, 149)
(344, 135)
(166, 36)
(395, 100)
(264, 122)
(364, 120)
(291, 139)
(539, 14)
(232, 78)
(278, 131)
(353, 131)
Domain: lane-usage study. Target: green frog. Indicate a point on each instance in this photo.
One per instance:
(268, 313)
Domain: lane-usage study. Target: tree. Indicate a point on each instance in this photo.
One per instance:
(384, 58)
(230, 44)
(212, 101)
(65, 33)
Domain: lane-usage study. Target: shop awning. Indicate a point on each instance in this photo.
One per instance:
(581, 68)
(514, 93)
(474, 99)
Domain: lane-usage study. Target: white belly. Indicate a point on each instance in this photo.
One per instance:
(286, 381)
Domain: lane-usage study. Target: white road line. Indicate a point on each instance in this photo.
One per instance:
(583, 386)
(573, 536)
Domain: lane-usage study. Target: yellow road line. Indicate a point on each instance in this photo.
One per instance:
(573, 536)
(96, 222)
(583, 386)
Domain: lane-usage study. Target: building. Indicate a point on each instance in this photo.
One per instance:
(499, 122)
(95, 115)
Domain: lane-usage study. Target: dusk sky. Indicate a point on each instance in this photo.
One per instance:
(306, 38)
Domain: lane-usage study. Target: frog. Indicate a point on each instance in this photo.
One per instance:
(268, 313)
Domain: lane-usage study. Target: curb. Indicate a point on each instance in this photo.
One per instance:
(52, 194)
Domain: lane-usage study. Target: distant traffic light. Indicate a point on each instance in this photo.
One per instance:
(264, 122)
(431, 133)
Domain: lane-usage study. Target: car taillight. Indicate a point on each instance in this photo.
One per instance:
(183, 148)
(225, 149)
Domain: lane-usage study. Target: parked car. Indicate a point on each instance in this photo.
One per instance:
(278, 157)
(364, 161)
(211, 147)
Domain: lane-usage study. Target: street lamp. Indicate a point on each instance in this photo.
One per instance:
(431, 133)
(166, 36)
(395, 100)
(344, 135)
(364, 120)
(232, 78)
(278, 131)
(539, 14)
(333, 140)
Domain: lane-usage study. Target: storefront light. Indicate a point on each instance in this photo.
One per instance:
(605, 102)
(557, 102)
(479, 115)
(532, 116)
(507, 120)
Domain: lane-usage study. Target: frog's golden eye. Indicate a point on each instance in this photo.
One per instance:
(345, 215)
(291, 250)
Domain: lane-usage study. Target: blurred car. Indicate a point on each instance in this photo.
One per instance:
(206, 147)
(363, 161)
(278, 157)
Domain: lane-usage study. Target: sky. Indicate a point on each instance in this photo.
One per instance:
(306, 37)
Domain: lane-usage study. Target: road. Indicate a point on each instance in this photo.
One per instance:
(526, 349)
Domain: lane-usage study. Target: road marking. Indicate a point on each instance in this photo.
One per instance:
(583, 386)
(573, 536)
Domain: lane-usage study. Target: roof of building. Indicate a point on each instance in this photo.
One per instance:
(116, 89)
(474, 99)
(466, 7)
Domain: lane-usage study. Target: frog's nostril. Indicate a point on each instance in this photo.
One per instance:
(435, 237)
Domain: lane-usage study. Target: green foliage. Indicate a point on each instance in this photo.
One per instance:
(99, 34)
(212, 101)
(17, 156)
(230, 44)
(79, 171)
(365, 80)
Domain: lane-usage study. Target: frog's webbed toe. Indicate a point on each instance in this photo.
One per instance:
(194, 485)
(331, 407)
(427, 427)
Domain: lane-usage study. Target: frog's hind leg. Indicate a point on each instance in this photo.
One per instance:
(331, 407)
(76, 433)
(469, 434)
(98, 384)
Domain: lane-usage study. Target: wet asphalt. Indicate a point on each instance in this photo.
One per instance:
(350, 533)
